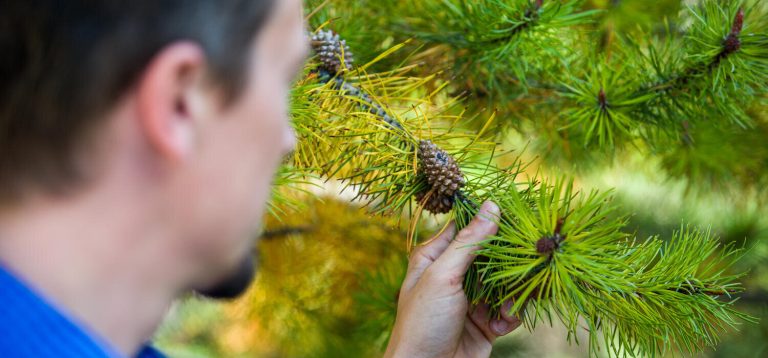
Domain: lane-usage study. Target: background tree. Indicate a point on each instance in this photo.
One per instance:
(674, 99)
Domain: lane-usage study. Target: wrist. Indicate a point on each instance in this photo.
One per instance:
(396, 349)
(393, 348)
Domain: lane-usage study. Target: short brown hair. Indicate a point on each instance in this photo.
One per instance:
(64, 63)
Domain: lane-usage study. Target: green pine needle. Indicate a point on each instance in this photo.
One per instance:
(559, 253)
(634, 298)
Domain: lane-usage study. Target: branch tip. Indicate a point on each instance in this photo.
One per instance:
(602, 99)
(738, 22)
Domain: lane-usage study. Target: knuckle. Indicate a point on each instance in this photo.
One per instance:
(444, 277)
(466, 233)
(455, 280)
(475, 233)
(485, 227)
(421, 255)
(416, 253)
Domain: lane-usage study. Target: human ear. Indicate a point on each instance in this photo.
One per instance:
(166, 96)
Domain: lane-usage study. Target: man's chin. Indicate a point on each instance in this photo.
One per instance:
(235, 284)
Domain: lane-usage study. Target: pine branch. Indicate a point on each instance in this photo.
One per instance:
(513, 56)
(527, 21)
(731, 44)
(530, 16)
(718, 69)
(495, 47)
(330, 72)
(366, 102)
(558, 252)
(564, 257)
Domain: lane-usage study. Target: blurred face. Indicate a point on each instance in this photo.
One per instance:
(243, 145)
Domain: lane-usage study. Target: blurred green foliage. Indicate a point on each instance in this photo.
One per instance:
(330, 272)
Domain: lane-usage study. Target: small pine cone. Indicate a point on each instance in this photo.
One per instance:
(436, 204)
(331, 50)
(731, 44)
(443, 175)
(546, 245)
(738, 22)
(441, 169)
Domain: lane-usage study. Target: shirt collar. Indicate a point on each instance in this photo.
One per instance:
(31, 326)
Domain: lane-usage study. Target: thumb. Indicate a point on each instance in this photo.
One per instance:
(460, 253)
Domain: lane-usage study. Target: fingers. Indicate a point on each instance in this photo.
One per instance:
(502, 327)
(506, 313)
(453, 256)
(493, 327)
(507, 323)
(479, 317)
(425, 255)
(458, 255)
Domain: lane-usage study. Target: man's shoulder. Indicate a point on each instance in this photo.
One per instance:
(32, 327)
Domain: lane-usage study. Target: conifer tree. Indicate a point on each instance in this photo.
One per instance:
(405, 124)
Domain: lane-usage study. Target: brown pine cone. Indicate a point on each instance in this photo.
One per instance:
(331, 50)
(442, 174)
(437, 204)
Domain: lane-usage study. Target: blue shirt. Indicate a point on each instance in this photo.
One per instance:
(32, 327)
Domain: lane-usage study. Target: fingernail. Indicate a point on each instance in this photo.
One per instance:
(487, 210)
(506, 307)
(500, 327)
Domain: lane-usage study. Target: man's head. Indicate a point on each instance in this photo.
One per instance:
(179, 103)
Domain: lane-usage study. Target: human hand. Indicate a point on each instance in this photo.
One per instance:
(434, 318)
